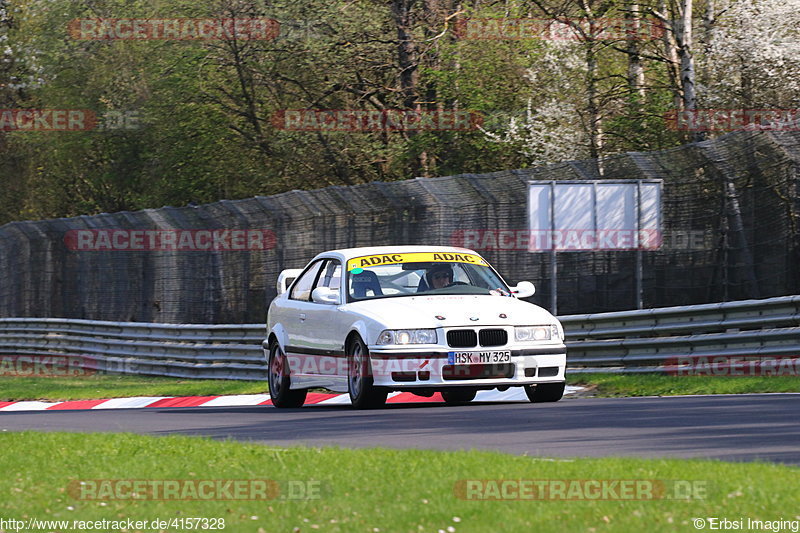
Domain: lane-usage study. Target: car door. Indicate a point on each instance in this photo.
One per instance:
(295, 321)
(329, 322)
(314, 341)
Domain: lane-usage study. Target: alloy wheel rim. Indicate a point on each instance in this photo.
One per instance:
(355, 372)
(276, 370)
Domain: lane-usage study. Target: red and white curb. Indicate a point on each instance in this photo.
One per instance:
(153, 402)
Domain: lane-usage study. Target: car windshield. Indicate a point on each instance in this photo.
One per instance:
(411, 274)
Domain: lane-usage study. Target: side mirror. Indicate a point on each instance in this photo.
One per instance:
(523, 289)
(325, 295)
(285, 277)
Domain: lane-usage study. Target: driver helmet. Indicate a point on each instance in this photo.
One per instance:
(438, 270)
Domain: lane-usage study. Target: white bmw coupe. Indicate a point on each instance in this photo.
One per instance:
(421, 319)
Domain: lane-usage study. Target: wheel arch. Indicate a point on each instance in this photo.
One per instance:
(360, 329)
(278, 333)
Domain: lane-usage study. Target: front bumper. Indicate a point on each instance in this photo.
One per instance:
(410, 367)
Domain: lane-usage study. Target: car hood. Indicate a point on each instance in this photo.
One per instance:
(407, 312)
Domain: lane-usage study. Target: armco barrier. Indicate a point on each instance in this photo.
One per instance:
(177, 350)
(646, 340)
(625, 341)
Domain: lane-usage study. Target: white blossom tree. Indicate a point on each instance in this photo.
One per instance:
(545, 134)
(752, 56)
(551, 128)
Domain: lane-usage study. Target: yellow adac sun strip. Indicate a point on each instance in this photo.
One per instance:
(416, 257)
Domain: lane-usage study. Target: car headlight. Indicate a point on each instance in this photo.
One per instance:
(407, 336)
(536, 333)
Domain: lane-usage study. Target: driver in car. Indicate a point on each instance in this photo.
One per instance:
(440, 276)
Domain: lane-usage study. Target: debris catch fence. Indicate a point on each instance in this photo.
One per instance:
(730, 232)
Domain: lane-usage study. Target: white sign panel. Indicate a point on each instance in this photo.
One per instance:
(600, 215)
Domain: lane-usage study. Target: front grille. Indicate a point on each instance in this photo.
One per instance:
(493, 337)
(488, 371)
(462, 338)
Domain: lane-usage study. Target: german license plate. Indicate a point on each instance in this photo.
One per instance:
(467, 358)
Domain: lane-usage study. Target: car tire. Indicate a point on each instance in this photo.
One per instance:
(363, 394)
(545, 392)
(279, 381)
(458, 396)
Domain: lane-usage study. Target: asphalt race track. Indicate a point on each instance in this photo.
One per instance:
(735, 428)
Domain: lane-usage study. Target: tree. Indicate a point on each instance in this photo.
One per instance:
(753, 55)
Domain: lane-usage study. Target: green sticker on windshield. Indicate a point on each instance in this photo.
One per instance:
(357, 271)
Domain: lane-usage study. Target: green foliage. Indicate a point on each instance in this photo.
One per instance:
(197, 115)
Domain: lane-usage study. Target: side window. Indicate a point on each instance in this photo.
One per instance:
(302, 287)
(331, 275)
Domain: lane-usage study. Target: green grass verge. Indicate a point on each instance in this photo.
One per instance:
(614, 385)
(370, 489)
(100, 386)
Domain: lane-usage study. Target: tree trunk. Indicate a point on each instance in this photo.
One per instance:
(592, 91)
(408, 61)
(685, 53)
(671, 53)
(707, 39)
(635, 69)
(402, 12)
(709, 25)
(746, 266)
(683, 37)
(593, 104)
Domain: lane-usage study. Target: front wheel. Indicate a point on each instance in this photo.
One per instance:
(458, 396)
(279, 381)
(545, 392)
(363, 394)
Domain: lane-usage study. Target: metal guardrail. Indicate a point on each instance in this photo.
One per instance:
(626, 341)
(176, 350)
(649, 340)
